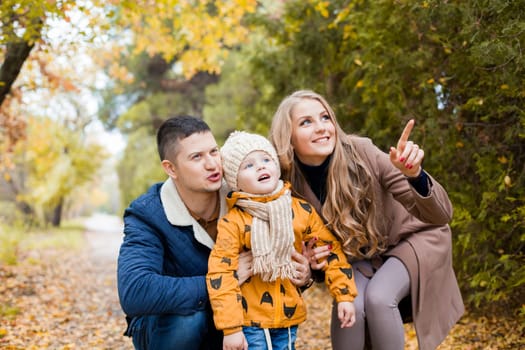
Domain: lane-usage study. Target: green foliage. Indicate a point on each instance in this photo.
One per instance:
(455, 66)
(148, 75)
(140, 124)
(150, 112)
(139, 167)
(232, 102)
(485, 105)
(10, 240)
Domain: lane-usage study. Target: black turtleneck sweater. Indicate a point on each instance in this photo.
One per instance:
(316, 177)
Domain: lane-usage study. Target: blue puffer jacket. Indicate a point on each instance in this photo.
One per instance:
(161, 266)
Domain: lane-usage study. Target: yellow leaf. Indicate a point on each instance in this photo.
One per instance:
(359, 84)
(430, 81)
(483, 283)
(503, 160)
(348, 32)
(358, 62)
(321, 7)
(504, 87)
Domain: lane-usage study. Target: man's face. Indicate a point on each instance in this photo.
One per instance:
(197, 165)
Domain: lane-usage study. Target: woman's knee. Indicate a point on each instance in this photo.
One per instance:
(379, 298)
(388, 287)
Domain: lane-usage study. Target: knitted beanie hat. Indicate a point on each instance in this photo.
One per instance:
(238, 145)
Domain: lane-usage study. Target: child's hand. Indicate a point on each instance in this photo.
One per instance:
(235, 341)
(346, 314)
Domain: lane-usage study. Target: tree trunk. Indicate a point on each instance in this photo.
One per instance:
(56, 217)
(17, 51)
(16, 54)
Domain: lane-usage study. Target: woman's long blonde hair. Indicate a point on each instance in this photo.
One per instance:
(349, 208)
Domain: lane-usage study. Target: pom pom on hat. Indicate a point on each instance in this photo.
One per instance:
(238, 145)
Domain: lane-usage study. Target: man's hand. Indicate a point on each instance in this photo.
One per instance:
(302, 269)
(302, 272)
(315, 254)
(235, 341)
(407, 156)
(244, 271)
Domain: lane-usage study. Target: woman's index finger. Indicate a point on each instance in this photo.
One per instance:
(406, 133)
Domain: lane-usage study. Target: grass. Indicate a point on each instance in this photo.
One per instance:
(15, 240)
(10, 240)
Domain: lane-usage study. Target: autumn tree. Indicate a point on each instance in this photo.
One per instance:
(24, 33)
(21, 27)
(163, 56)
(169, 46)
(52, 162)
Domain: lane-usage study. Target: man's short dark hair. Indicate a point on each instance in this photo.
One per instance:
(176, 128)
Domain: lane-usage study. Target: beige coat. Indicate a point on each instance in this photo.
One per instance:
(417, 232)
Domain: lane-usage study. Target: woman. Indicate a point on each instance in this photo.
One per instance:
(390, 215)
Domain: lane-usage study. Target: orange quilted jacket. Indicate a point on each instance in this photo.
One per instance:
(268, 304)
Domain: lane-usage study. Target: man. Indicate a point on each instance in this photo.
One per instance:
(169, 232)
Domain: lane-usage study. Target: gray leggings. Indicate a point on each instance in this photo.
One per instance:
(377, 305)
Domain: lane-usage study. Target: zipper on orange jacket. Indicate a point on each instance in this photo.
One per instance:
(278, 302)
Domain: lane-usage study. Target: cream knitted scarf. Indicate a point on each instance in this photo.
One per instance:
(272, 237)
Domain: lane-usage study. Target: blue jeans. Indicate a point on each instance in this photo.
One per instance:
(280, 338)
(172, 332)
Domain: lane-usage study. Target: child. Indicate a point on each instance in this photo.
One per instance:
(263, 217)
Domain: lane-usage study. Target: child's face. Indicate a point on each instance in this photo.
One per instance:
(258, 173)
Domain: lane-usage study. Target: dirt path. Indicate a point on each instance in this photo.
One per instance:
(104, 236)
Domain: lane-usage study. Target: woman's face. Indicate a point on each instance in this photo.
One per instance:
(313, 132)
